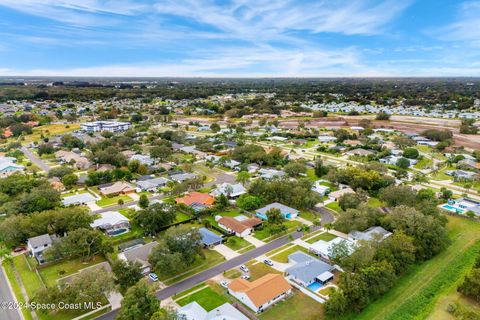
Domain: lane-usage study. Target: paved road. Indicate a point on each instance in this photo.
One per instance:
(35, 160)
(327, 215)
(216, 270)
(6, 296)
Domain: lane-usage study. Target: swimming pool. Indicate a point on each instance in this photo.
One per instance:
(452, 208)
(315, 286)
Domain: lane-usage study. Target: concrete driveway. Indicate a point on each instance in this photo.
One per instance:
(226, 251)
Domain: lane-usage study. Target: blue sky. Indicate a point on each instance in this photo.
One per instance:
(244, 38)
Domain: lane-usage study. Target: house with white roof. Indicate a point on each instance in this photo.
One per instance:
(78, 199)
(371, 233)
(270, 174)
(194, 311)
(324, 248)
(8, 166)
(230, 190)
(307, 270)
(287, 212)
(112, 223)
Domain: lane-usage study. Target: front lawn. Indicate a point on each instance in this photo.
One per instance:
(423, 163)
(105, 202)
(323, 236)
(283, 256)
(334, 206)
(212, 258)
(310, 215)
(297, 306)
(258, 270)
(236, 243)
(207, 298)
(262, 234)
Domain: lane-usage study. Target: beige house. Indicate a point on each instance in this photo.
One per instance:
(119, 187)
(79, 161)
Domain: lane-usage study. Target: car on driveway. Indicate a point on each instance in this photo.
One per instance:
(153, 277)
(268, 262)
(245, 277)
(244, 268)
(224, 283)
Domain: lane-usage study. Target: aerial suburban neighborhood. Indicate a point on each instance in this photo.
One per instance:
(239, 160)
(229, 213)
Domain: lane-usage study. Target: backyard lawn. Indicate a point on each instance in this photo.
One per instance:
(105, 202)
(207, 298)
(52, 273)
(427, 289)
(323, 236)
(262, 234)
(298, 306)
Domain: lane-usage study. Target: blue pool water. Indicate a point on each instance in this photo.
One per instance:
(315, 286)
(452, 208)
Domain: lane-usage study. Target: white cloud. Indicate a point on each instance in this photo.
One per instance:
(467, 26)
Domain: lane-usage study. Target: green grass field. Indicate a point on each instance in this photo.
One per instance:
(283, 256)
(298, 306)
(52, 273)
(105, 202)
(324, 236)
(425, 288)
(207, 298)
(236, 243)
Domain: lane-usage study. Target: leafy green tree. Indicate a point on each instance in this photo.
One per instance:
(161, 152)
(470, 286)
(403, 163)
(249, 202)
(243, 177)
(215, 127)
(69, 180)
(382, 116)
(139, 303)
(143, 202)
(320, 168)
(155, 217)
(411, 153)
(350, 200)
(295, 169)
(127, 273)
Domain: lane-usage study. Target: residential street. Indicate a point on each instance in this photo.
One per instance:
(35, 160)
(216, 270)
(6, 296)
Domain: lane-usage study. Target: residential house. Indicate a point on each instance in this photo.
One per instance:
(253, 168)
(240, 225)
(79, 161)
(468, 164)
(269, 174)
(359, 152)
(307, 270)
(260, 294)
(230, 190)
(371, 233)
(119, 187)
(392, 160)
(209, 239)
(180, 177)
(287, 212)
(232, 164)
(37, 245)
(78, 199)
(143, 159)
(319, 188)
(193, 311)
(139, 254)
(112, 223)
(196, 200)
(151, 184)
(461, 174)
(326, 139)
(9, 166)
(324, 248)
(337, 194)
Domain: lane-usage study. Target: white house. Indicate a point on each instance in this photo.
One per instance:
(112, 222)
(37, 245)
(230, 190)
(320, 188)
(9, 166)
(324, 248)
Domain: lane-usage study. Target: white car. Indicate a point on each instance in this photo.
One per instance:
(268, 262)
(224, 283)
(153, 277)
(245, 277)
(244, 268)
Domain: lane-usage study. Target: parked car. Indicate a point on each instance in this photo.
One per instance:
(224, 283)
(268, 262)
(153, 277)
(244, 268)
(245, 277)
(19, 249)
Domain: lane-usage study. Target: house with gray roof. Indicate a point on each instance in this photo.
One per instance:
(78, 199)
(370, 234)
(194, 311)
(151, 184)
(307, 270)
(180, 177)
(270, 174)
(287, 212)
(37, 245)
(139, 254)
(230, 190)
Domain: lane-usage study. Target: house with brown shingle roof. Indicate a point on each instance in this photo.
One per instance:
(258, 295)
(119, 187)
(241, 228)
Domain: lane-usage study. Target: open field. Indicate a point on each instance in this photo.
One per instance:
(298, 306)
(50, 130)
(425, 288)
